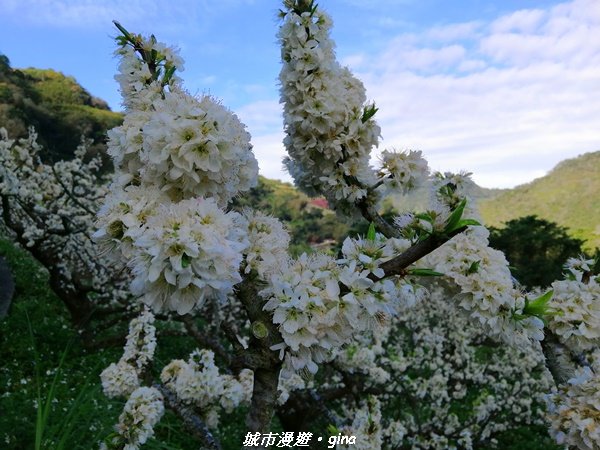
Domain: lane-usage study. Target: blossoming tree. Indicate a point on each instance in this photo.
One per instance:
(51, 210)
(359, 339)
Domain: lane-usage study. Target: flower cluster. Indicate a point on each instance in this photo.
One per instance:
(141, 340)
(139, 84)
(369, 254)
(196, 148)
(305, 300)
(136, 424)
(187, 147)
(427, 365)
(320, 303)
(363, 355)
(122, 378)
(290, 381)
(50, 210)
(179, 161)
(269, 241)
(579, 268)
(366, 427)
(574, 411)
(403, 171)
(122, 217)
(198, 382)
(449, 189)
(485, 286)
(329, 128)
(188, 252)
(575, 308)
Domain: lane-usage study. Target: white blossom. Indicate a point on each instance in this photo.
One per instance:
(403, 171)
(196, 148)
(269, 241)
(575, 313)
(119, 380)
(574, 411)
(141, 413)
(199, 382)
(189, 252)
(328, 134)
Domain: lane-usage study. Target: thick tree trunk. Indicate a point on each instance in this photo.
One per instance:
(264, 399)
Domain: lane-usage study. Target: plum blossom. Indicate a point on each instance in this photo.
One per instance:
(189, 252)
(329, 127)
(199, 382)
(575, 308)
(269, 241)
(574, 411)
(403, 171)
(136, 424)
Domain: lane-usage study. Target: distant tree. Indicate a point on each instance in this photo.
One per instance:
(535, 248)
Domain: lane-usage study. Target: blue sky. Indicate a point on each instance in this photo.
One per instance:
(502, 88)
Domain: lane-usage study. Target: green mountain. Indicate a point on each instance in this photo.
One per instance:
(61, 111)
(569, 195)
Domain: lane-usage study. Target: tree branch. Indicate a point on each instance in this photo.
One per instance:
(193, 423)
(369, 212)
(266, 365)
(396, 266)
(560, 361)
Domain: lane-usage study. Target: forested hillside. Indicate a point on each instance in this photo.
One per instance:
(60, 110)
(569, 195)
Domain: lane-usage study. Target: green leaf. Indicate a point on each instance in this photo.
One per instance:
(332, 430)
(168, 75)
(538, 307)
(466, 222)
(368, 113)
(474, 267)
(122, 29)
(425, 273)
(455, 217)
(424, 216)
(122, 41)
(371, 233)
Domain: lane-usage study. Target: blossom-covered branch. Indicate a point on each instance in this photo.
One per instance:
(389, 341)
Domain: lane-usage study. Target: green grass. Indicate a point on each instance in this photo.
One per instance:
(51, 397)
(51, 403)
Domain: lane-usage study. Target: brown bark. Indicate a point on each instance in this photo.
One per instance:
(193, 423)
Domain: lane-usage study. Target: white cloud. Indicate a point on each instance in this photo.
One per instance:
(262, 118)
(162, 14)
(451, 32)
(269, 151)
(506, 100)
(76, 13)
(525, 21)
(402, 56)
